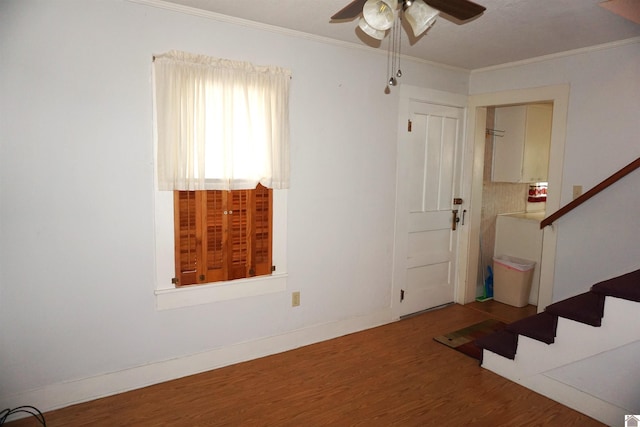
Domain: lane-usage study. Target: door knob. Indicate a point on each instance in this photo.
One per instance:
(456, 220)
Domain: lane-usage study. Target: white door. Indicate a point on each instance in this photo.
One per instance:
(429, 184)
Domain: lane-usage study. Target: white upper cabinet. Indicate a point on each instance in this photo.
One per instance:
(521, 154)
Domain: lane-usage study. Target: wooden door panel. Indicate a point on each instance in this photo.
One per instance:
(434, 221)
(428, 283)
(429, 247)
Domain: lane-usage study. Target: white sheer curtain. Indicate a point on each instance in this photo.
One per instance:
(221, 124)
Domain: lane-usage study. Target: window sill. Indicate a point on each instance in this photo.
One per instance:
(204, 294)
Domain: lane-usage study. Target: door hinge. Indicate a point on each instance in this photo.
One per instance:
(401, 295)
(273, 268)
(409, 125)
(175, 281)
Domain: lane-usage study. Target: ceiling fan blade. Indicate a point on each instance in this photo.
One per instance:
(351, 10)
(459, 9)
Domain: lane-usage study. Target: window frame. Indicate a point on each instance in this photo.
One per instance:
(167, 294)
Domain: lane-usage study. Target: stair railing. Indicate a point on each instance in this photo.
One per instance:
(592, 192)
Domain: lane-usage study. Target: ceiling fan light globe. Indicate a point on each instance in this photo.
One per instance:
(420, 16)
(370, 31)
(380, 14)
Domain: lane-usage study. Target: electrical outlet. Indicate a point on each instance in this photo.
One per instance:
(577, 191)
(295, 299)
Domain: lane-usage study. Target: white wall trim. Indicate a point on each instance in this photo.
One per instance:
(204, 294)
(67, 393)
(596, 408)
(272, 28)
(581, 51)
(554, 389)
(559, 95)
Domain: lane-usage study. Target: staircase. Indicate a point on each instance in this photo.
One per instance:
(583, 352)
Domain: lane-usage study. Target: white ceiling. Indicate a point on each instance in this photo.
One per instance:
(508, 31)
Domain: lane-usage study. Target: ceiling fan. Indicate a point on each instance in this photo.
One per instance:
(459, 9)
(379, 16)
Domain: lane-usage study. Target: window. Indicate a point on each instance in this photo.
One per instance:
(222, 145)
(222, 235)
(169, 296)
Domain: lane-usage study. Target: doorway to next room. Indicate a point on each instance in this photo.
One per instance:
(479, 106)
(514, 193)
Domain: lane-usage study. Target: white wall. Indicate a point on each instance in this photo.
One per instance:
(76, 176)
(599, 240)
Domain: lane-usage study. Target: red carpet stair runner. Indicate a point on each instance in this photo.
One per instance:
(586, 308)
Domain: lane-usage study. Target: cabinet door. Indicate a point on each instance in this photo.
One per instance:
(508, 150)
(537, 142)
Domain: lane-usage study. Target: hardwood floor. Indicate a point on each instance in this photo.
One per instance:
(504, 312)
(391, 375)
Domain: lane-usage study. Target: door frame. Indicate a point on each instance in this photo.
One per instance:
(476, 116)
(407, 94)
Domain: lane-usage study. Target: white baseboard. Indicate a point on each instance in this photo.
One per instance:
(67, 393)
(592, 406)
(576, 399)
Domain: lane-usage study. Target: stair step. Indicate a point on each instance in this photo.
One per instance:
(502, 342)
(626, 286)
(541, 327)
(586, 308)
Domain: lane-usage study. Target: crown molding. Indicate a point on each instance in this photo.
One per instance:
(188, 10)
(567, 53)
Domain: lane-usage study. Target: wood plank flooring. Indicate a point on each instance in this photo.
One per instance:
(503, 312)
(393, 375)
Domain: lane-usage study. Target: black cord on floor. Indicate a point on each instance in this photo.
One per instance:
(31, 410)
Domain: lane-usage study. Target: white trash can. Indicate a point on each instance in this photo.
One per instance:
(512, 280)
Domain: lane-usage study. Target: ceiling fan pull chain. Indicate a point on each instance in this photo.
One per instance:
(390, 79)
(399, 25)
(394, 52)
(388, 67)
